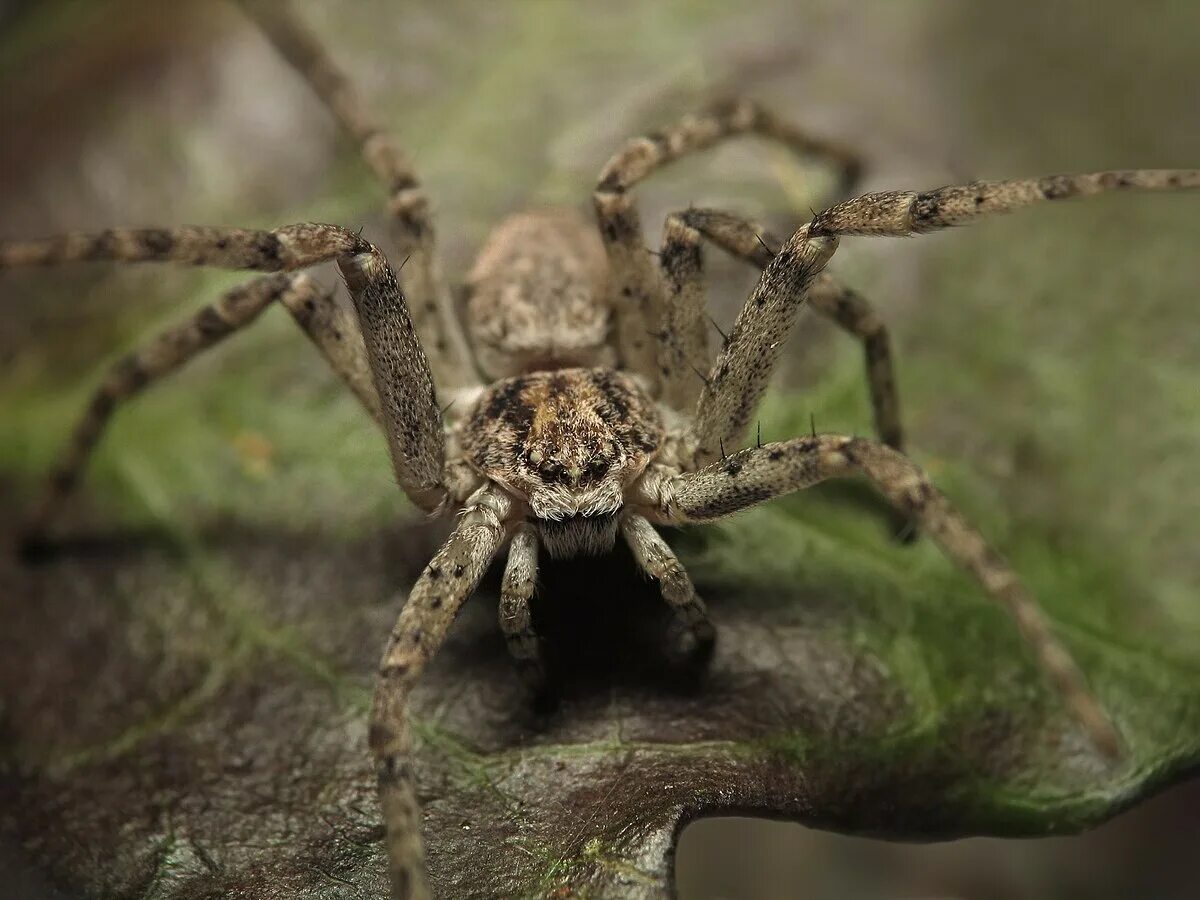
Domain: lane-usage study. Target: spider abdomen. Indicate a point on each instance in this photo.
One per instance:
(537, 296)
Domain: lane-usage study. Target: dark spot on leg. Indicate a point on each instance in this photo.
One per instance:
(210, 324)
(919, 496)
(266, 248)
(927, 209)
(157, 242)
(62, 480)
(131, 373)
(404, 181)
(877, 350)
(379, 736)
(102, 246)
(1057, 187)
(786, 257)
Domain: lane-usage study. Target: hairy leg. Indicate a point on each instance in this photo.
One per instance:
(696, 634)
(432, 307)
(448, 580)
(403, 381)
(682, 352)
(901, 213)
(520, 579)
(335, 333)
(740, 375)
(637, 292)
(235, 310)
(752, 476)
(851, 311)
(284, 249)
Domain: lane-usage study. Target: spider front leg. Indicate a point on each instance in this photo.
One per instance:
(852, 312)
(694, 634)
(403, 382)
(516, 621)
(432, 307)
(637, 291)
(739, 377)
(442, 588)
(755, 475)
(408, 402)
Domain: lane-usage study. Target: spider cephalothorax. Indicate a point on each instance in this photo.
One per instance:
(568, 442)
(612, 415)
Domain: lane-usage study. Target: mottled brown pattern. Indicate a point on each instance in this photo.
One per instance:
(449, 579)
(537, 296)
(850, 310)
(334, 331)
(403, 381)
(516, 620)
(683, 352)
(597, 428)
(284, 249)
(695, 635)
(739, 378)
(567, 442)
(638, 293)
(900, 213)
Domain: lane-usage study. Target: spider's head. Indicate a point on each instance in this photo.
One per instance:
(569, 442)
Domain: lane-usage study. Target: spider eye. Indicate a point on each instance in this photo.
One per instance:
(594, 470)
(536, 457)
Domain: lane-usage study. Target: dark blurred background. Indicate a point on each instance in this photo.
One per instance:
(1074, 326)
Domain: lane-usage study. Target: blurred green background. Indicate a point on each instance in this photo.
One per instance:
(1049, 362)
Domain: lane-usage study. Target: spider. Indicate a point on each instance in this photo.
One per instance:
(571, 398)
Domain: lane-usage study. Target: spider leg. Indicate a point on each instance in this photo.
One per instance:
(330, 328)
(848, 309)
(403, 381)
(282, 250)
(439, 593)
(520, 580)
(682, 349)
(637, 292)
(754, 475)
(432, 307)
(655, 557)
(739, 377)
(901, 213)
(334, 331)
